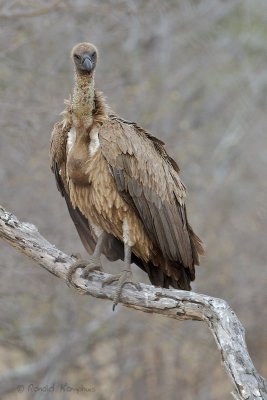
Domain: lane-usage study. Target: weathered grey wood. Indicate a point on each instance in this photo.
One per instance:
(226, 328)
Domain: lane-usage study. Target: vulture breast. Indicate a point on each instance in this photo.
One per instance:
(93, 191)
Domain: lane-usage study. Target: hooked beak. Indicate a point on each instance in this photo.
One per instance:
(87, 64)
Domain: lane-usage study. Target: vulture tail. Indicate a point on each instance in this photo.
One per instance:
(158, 278)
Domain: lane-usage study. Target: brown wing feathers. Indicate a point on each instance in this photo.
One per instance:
(147, 178)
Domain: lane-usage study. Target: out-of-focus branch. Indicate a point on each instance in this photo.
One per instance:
(74, 344)
(34, 13)
(220, 318)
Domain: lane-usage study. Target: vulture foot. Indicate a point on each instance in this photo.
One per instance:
(125, 277)
(89, 265)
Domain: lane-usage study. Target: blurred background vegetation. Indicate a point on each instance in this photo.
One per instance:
(194, 73)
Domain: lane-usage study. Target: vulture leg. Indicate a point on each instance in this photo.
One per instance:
(125, 277)
(93, 263)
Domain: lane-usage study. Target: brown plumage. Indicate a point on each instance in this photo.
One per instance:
(117, 178)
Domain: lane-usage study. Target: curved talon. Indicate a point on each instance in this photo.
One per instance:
(92, 264)
(77, 264)
(125, 277)
(76, 255)
(110, 279)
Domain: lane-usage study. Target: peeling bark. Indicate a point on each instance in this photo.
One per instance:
(227, 330)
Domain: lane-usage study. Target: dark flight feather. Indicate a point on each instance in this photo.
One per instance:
(148, 180)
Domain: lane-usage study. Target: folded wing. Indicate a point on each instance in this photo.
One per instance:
(148, 180)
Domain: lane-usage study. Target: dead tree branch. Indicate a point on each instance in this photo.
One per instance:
(181, 305)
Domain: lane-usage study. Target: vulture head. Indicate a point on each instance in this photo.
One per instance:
(84, 56)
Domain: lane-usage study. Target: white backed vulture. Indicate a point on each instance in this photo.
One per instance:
(122, 189)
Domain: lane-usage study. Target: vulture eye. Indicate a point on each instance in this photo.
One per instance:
(93, 54)
(77, 57)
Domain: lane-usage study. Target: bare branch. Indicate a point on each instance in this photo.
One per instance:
(181, 305)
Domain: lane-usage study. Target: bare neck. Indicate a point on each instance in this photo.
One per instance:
(83, 99)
